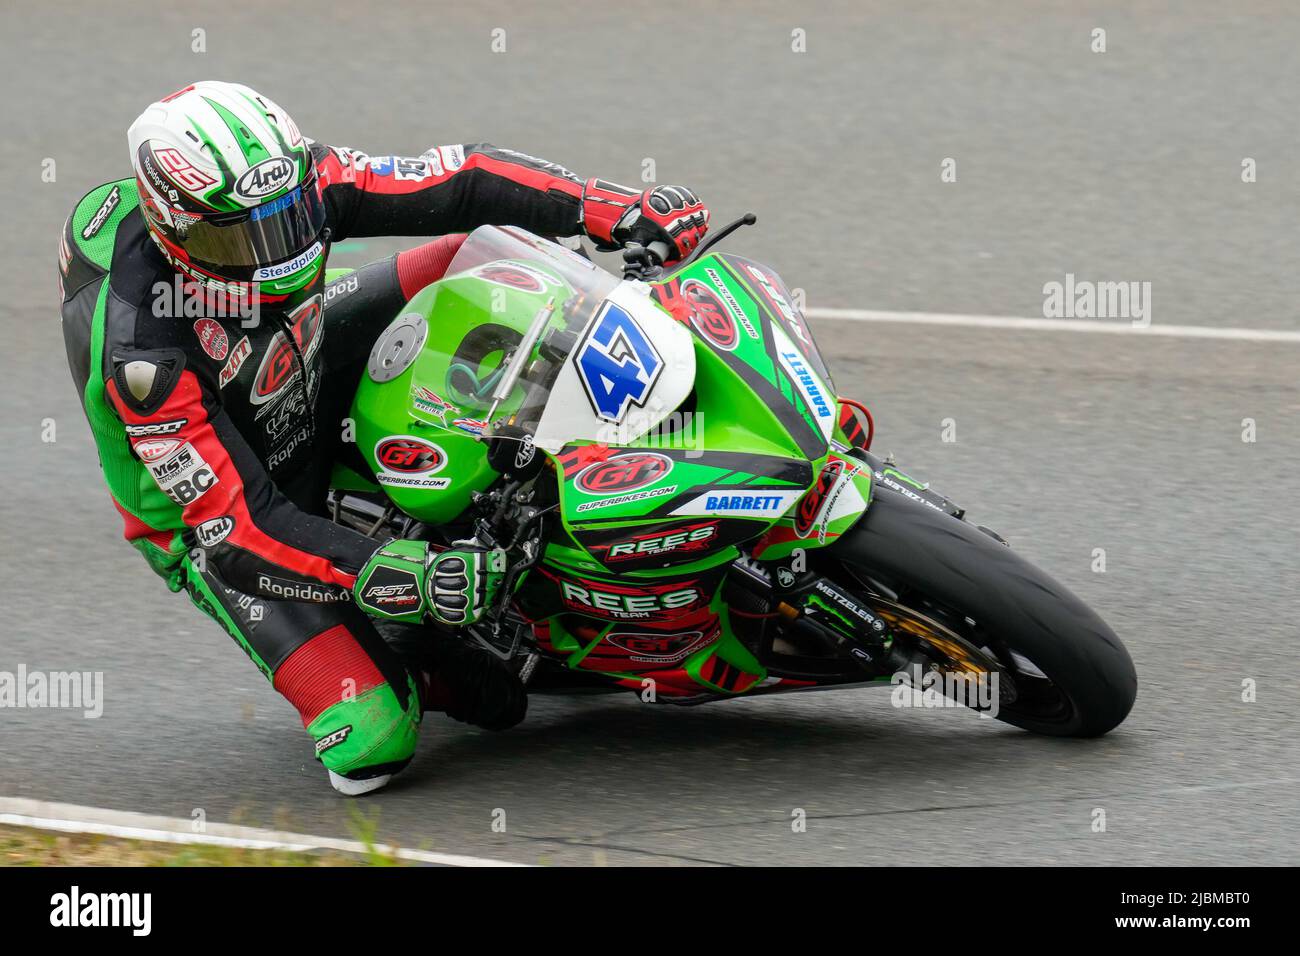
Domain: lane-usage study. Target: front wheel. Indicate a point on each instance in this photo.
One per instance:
(1072, 677)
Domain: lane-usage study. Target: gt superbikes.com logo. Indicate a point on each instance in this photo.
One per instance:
(406, 461)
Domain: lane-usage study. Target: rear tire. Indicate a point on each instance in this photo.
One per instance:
(1090, 683)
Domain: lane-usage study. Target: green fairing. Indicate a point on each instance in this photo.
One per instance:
(752, 429)
(453, 308)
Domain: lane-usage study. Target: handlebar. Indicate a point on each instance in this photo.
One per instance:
(644, 262)
(647, 262)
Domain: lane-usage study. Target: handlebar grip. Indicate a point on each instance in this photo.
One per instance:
(660, 250)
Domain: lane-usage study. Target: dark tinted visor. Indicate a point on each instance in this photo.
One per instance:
(263, 235)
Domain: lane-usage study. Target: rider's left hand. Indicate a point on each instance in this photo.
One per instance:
(463, 582)
(404, 580)
(669, 214)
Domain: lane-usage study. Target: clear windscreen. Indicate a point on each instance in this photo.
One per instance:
(597, 360)
(571, 288)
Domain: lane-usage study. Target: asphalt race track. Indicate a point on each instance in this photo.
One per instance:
(1116, 166)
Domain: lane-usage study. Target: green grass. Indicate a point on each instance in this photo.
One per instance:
(23, 846)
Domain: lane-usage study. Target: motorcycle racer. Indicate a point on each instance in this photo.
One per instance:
(215, 364)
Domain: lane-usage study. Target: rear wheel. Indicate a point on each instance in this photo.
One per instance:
(961, 595)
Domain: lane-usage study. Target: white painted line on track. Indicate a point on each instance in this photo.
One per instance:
(126, 824)
(1115, 327)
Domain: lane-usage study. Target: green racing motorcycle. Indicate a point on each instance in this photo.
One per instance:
(690, 511)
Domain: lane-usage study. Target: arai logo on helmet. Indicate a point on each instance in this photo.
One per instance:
(265, 178)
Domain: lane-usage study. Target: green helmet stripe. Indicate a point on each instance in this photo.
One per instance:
(216, 197)
(300, 152)
(253, 149)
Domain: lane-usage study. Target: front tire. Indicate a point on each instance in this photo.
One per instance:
(1073, 677)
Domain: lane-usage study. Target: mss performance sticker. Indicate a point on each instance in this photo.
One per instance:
(185, 477)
